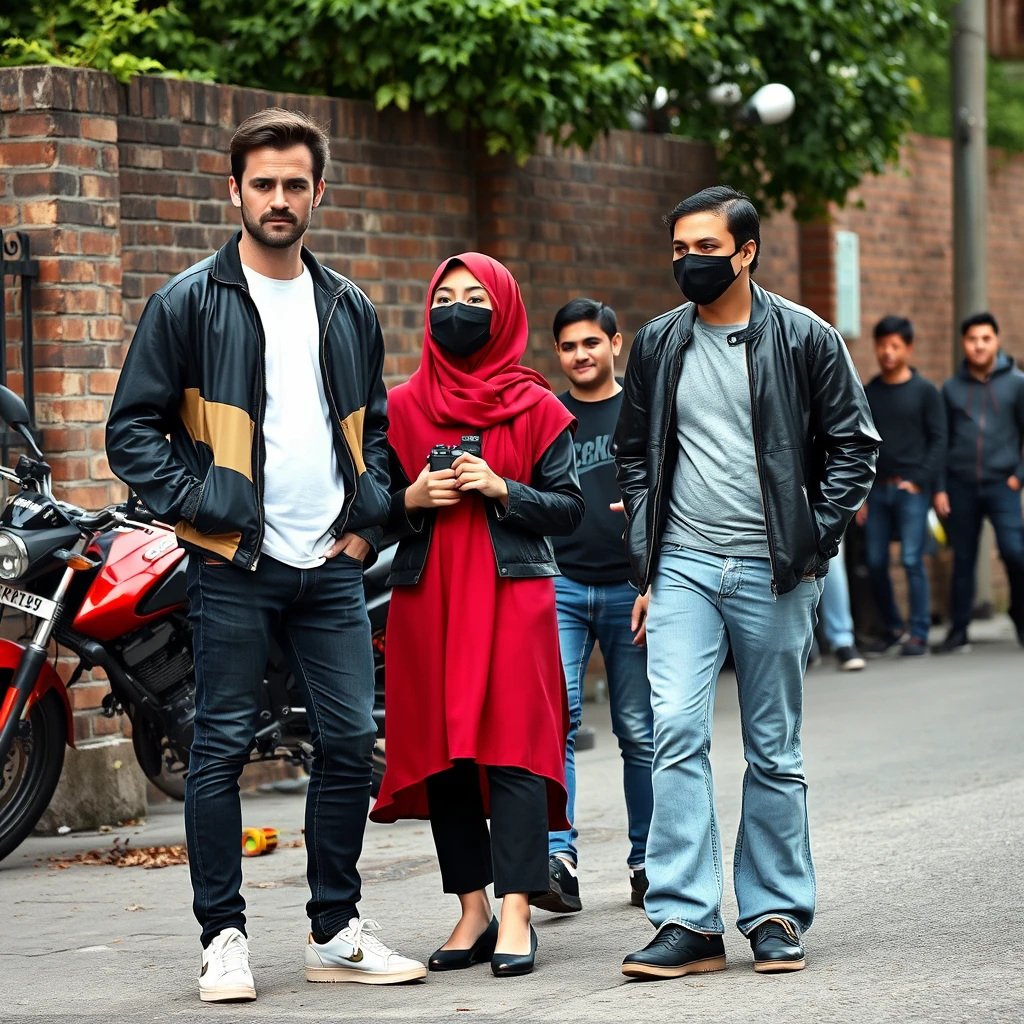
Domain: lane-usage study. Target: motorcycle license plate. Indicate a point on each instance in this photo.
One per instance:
(43, 607)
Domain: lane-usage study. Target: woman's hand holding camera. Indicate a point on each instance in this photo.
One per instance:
(473, 474)
(433, 490)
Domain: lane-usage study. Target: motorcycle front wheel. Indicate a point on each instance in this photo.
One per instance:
(31, 770)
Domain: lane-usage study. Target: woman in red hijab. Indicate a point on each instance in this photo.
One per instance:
(476, 713)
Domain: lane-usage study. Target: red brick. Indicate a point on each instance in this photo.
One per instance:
(76, 154)
(66, 470)
(59, 382)
(99, 469)
(106, 329)
(73, 410)
(84, 697)
(27, 154)
(39, 212)
(173, 209)
(103, 382)
(101, 129)
(99, 243)
(63, 439)
(95, 186)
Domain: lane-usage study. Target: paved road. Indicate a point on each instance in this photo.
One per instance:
(917, 790)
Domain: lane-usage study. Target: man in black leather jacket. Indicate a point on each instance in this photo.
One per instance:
(264, 369)
(744, 447)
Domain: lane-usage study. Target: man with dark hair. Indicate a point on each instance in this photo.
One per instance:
(983, 471)
(743, 449)
(908, 413)
(264, 368)
(596, 602)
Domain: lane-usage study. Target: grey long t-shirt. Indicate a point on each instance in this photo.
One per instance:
(716, 503)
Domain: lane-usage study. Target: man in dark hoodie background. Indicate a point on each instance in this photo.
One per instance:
(984, 470)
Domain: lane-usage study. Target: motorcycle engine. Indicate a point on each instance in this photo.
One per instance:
(159, 656)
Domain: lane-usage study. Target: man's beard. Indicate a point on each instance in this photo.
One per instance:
(274, 239)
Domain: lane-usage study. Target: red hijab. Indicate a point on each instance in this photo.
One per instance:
(490, 391)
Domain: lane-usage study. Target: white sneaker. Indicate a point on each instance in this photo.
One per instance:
(355, 955)
(225, 976)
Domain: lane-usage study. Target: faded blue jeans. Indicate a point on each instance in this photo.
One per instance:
(834, 610)
(587, 614)
(700, 605)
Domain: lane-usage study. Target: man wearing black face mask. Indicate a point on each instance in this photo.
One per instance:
(744, 447)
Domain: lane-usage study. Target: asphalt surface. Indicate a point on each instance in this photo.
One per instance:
(917, 789)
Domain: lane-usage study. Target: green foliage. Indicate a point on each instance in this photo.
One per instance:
(855, 94)
(81, 33)
(515, 70)
(512, 69)
(1005, 93)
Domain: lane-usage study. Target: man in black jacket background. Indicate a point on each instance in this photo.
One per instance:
(743, 449)
(984, 471)
(264, 368)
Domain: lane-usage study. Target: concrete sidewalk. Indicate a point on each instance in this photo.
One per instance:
(917, 784)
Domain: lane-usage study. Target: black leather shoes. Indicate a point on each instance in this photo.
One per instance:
(509, 965)
(459, 959)
(637, 886)
(676, 951)
(776, 946)
(563, 895)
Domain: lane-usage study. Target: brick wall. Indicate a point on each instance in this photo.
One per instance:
(122, 187)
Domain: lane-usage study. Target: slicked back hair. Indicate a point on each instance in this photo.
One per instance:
(735, 208)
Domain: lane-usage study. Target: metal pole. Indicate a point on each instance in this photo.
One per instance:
(969, 58)
(970, 164)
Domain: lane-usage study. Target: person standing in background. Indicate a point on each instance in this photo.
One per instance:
(908, 413)
(983, 471)
(836, 617)
(595, 600)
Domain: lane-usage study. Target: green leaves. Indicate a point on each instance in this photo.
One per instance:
(515, 70)
(856, 97)
(87, 33)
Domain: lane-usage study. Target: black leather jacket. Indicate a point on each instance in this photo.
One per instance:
(814, 438)
(195, 371)
(550, 506)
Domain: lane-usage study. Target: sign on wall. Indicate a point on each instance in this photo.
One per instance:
(848, 284)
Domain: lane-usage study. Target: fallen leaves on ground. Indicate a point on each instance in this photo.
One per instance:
(120, 855)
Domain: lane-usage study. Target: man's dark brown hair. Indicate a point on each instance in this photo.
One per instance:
(279, 129)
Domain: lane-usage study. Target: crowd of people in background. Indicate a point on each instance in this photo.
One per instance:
(954, 450)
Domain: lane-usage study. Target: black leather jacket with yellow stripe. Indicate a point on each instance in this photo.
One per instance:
(195, 372)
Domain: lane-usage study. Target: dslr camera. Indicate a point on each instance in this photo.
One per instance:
(442, 456)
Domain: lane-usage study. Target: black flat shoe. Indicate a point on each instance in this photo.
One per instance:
(508, 965)
(676, 951)
(776, 946)
(459, 959)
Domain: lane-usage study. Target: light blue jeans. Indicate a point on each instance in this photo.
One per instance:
(836, 618)
(700, 605)
(587, 615)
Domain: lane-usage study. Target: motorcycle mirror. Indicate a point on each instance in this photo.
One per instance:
(13, 409)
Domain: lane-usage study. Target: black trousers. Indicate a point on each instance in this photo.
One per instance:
(514, 856)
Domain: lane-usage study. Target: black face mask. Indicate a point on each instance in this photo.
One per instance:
(460, 329)
(704, 279)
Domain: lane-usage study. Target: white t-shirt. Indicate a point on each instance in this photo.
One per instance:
(303, 489)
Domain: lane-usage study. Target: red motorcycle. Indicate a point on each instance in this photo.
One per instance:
(110, 587)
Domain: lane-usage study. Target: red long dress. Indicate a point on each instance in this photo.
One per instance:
(472, 659)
